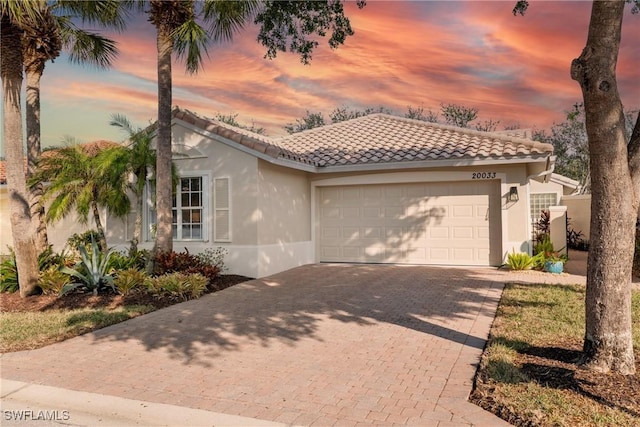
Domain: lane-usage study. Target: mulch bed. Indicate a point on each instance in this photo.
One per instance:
(12, 302)
(558, 366)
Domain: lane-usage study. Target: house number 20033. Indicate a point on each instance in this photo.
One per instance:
(483, 175)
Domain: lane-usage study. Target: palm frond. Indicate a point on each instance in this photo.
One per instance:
(228, 17)
(86, 47)
(19, 12)
(190, 41)
(112, 14)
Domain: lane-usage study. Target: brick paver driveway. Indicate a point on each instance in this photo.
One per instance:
(315, 345)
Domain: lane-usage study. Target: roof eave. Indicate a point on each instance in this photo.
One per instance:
(430, 164)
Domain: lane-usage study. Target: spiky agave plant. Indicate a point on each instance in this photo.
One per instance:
(93, 271)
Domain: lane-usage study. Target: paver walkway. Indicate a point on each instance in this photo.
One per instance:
(315, 345)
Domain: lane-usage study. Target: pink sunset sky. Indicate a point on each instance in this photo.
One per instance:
(419, 53)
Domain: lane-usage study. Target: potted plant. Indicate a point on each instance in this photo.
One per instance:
(554, 262)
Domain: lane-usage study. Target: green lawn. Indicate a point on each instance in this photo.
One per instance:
(530, 374)
(29, 330)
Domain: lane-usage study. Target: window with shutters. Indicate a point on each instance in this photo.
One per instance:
(222, 213)
(189, 210)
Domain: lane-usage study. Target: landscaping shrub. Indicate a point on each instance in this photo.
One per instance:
(184, 262)
(9, 273)
(52, 280)
(519, 261)
(78, 240)
(178, 285)
(47, 260)
(92, 270)
(124, 261)
(129, 279)
(215, 257)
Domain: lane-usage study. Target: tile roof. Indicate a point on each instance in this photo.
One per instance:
(377, 139)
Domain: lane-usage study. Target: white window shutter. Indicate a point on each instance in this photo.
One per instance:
(222, 214)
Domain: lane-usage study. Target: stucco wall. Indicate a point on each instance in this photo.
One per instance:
(579, 213)
(284, 205)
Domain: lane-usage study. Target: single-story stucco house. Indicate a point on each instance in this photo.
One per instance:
(375, 189)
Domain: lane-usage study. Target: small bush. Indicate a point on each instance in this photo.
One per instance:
(184, 262)
(519, 261)
(52, 280)
(84, 239)
(129, 279)
(214, 257)
(9, 274)
(124, 261)
(544, 245)
(178, 285)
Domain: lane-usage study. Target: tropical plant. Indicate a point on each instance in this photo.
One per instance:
(127, 260)
(85, 177)
(92, 271)
(129, 279)
(184, 262)
(178, 285)
(519, 261)
(53, 280)
(83, 239)
(141, 162)
(9, 274)
(44, 36)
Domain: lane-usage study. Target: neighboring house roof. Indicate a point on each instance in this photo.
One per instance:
(376, 139)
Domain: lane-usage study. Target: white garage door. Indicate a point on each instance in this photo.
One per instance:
(455, 223)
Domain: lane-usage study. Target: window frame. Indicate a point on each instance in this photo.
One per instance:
(205, 184)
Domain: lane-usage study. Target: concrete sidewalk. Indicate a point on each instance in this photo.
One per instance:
(25, 404)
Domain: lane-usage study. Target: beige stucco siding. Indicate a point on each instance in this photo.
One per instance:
(284, 205)
(218, 160)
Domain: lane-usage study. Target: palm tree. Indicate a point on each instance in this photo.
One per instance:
(141, 161)
(43, 39)
(85, 178)
(12, 16)
(177, 29)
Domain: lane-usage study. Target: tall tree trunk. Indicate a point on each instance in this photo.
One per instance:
(11, 72)
(608, 343)
(33, 70)
(102, 238)
(137, 226)
(164, 191)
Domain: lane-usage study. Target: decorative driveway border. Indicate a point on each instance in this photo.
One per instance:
(327, 344)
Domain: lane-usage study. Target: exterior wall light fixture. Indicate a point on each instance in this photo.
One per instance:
(513, 194)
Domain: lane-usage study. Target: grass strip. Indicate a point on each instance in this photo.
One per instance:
(529, 372)
(29, 330)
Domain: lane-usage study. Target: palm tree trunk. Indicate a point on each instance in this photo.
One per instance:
(164, 234)
(137, 226)
(101, 234)
(11, 72)
(34, 71)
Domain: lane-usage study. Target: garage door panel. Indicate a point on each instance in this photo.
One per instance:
(423, 223)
